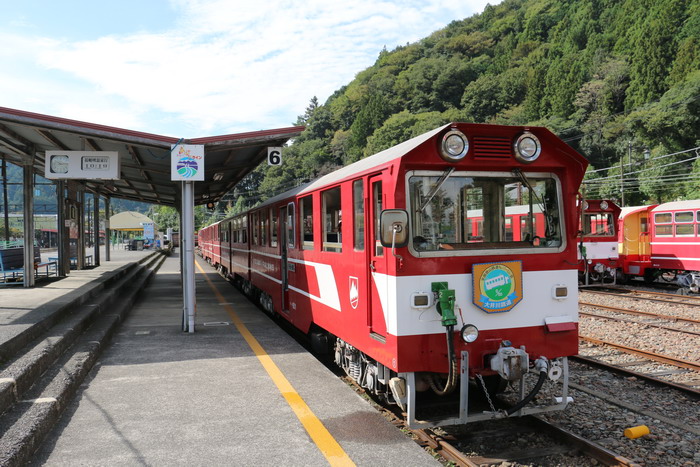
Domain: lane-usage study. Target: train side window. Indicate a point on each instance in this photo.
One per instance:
(264, 224)
(244, 230)
(358, 202)
(664, 230)
(290, 225)
(663, 218)
(306, 217)
(332, 220)
(684, 222)
(685, 216)
(254, 227)
(685, 229)
(273, 227)
(662, 224)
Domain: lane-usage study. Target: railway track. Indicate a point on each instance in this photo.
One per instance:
(644, 344)
(655, 374)
(686, 300)
(629, 311)
(515, 441)
(649, 324)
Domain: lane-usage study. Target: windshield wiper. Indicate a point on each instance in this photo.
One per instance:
(549, 221)
(437, 186)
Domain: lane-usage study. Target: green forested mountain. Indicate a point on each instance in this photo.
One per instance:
(610, 77)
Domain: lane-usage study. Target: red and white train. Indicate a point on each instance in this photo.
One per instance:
(407, 266)
(598, 253)
(662, 241)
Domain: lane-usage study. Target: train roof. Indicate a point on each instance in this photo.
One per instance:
(360, 166)
(368, 164)
(678, 205)
(627, 210)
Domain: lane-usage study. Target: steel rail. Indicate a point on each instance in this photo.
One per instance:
(620, 320)
(589, 448)
(676, 302)
(650, 355)
(627, 372)
(642, 313)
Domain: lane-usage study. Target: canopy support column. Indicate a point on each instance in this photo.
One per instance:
(96, 218)
(61, 229)
(108, 233)
(28, 185)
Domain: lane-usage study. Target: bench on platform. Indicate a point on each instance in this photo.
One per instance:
(74, 261)
(12, 264)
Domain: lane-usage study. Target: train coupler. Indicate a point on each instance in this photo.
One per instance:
(510, 363)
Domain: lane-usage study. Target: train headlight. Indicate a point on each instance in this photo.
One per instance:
(603, 205)
(527, 148)
(454, 146)
(469, 333)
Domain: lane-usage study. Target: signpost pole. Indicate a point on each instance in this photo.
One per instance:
(187, 166)
(187, 242)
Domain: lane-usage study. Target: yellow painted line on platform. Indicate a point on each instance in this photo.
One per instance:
(330, 448)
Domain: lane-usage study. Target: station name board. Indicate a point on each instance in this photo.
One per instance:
(88, 165)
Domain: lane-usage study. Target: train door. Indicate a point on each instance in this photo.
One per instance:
(378, 279)
(286, 237)
(644, 237)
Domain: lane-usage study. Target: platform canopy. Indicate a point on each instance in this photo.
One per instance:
(145, 158)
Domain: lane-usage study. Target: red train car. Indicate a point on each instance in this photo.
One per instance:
(662, 241)
(598, 246)
(446, 259)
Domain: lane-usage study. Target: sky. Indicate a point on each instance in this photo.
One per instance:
(195, 68)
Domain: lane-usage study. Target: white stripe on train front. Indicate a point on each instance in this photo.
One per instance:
(537, 304)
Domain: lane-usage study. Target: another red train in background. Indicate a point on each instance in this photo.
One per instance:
(598, 249)
(662, 242)
(444, 261)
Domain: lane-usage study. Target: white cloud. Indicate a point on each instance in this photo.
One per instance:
(224, 66)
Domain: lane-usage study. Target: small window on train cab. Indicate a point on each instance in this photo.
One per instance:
(332, 220)
(306, 218)
(685, 216)
(663, 218)
(358, 203)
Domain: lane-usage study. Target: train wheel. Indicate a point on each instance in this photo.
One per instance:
(669, 276)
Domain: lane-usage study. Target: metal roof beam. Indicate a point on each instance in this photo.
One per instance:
(48, 136)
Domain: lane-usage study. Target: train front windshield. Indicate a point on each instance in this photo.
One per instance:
(599, 224)
(453, 211)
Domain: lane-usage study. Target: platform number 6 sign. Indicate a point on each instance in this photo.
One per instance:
(274, 156)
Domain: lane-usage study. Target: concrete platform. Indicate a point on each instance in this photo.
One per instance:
(22, 309)
(239, 391)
